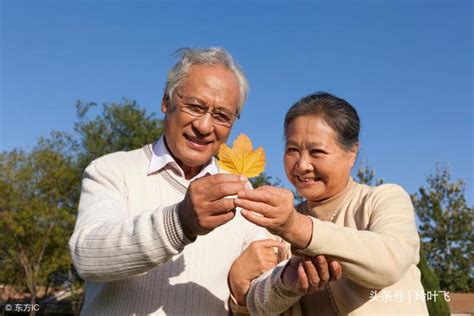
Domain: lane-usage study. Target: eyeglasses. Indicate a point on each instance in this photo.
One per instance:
(192, 107)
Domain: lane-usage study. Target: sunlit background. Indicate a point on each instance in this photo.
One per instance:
(406, 66)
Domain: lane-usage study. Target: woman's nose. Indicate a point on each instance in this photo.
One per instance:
(304, 164)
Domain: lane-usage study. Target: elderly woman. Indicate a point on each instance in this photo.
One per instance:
(370, 231)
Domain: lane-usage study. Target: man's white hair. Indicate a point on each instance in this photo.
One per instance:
(188, 57)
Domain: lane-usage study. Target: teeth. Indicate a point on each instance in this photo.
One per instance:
(306, 179)
(198, 140)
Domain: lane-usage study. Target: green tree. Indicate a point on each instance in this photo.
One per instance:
(119, 127)
(366, 175)
(431, 284)
(37, 191)
(264, 179)
(446, 230)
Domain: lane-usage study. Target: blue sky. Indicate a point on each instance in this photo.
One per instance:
(407, 67)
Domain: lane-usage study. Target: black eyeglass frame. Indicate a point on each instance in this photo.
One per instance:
(198, 110)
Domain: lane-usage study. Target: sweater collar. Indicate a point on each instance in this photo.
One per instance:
(162, 159)
(330, 205)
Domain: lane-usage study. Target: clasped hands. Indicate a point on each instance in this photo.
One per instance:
(205, 207)
(301, 275)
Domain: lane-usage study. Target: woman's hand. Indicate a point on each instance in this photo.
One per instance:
(306, 275)
(278, 214)
(259, 257)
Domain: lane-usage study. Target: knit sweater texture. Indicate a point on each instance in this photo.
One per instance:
(373, 236)
(129, 246)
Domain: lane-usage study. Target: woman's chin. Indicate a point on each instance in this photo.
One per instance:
(311, 193)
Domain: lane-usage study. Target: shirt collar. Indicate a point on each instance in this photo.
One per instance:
(162, 159)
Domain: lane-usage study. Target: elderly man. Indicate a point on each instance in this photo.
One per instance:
(140, 213)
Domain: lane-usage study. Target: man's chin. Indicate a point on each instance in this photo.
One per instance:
(196, 161)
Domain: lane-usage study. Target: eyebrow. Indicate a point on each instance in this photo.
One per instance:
(190, 98)
(316, 144)
(218, 108)
(312, 144)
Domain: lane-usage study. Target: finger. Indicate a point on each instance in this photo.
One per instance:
(260, 208)
(270, 256)
(273, 259)
(221, 206)
(263, 250)
(312, 275)
(272, 189)
(336, 270)
(269, 194)
(225, 177)
(218, 191)
(269, 243)
(269, 265)
(260, 194)
(256, 219)
(323, 270)
(220, 220)
(302, 282)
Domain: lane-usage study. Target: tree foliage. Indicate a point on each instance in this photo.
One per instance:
(39, 190)
(264, 179)
(366, 175)
(119, 127)
(446, 230)
(431, 284)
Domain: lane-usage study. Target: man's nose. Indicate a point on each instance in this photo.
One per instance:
(204, 124)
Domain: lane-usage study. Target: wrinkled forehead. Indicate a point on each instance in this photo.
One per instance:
(211, 85)
(308, 123)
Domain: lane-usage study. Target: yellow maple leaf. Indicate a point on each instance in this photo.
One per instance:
(241, 158)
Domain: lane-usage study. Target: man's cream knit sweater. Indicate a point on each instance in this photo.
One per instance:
(129, 246)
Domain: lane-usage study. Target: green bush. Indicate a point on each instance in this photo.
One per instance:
(431, 284)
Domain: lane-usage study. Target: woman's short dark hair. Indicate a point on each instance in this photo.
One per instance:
(336, 112)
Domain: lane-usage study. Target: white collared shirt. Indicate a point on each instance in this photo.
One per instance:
(162, 158)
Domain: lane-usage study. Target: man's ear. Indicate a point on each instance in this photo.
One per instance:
(164, 104)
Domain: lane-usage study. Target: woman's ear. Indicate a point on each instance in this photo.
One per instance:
(353, 154)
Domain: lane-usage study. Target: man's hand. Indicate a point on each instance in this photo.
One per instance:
(306, 275)
(205, 207)
(259, 257)
(278, 214)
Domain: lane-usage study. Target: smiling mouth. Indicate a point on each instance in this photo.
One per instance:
(308, 179)
(197, 140)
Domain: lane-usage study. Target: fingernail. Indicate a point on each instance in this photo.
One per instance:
(243, 178)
